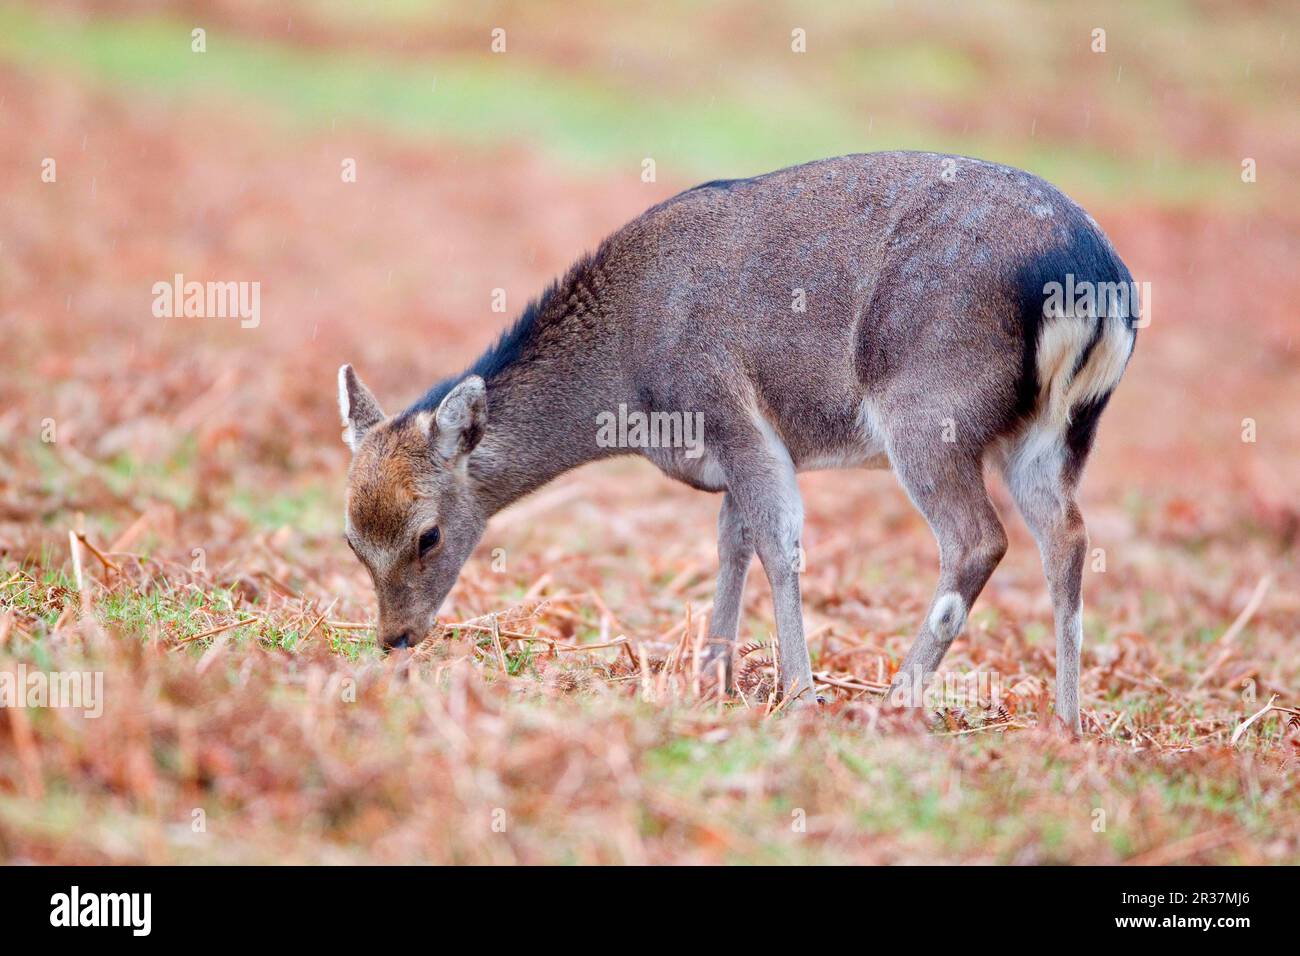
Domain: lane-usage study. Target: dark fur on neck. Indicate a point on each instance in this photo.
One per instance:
(503, 353)
(547, 309)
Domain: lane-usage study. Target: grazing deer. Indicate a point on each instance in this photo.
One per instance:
(881, 310)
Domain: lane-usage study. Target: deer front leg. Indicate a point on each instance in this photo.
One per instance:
(779, 552)
(735, 554)
(771, 509)
(763, 500)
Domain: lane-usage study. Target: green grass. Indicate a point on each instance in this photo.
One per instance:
(584, 119)
(923, 796)
(169, 477)
(310, 508)
(182, 611)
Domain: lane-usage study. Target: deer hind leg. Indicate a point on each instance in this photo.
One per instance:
(1039, 482)
(947, 486)
(735, 554)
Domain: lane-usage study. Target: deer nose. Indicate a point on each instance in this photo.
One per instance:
(396, 640)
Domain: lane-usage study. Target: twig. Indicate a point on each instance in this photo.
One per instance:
(276, 583)
(537, 587)
(647, 692)
(1230, 635)
(83, 590)
(103, 559)
(604, 608)
(671, 633)
(1005, 725)
(322, 617)
(785, 699)
(851, 683)
(621, 642)
(216, 630)
(350, 626)
(133, 531)
(1197, 843)
(76, 559)
(1245, 724)
(496, 642)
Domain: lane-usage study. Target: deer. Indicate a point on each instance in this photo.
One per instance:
(897, 310)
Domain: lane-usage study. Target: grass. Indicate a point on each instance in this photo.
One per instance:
(760, 794)
(702, 781)
(776, 790)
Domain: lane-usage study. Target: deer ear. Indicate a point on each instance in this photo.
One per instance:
(461, 418)
(357, 407)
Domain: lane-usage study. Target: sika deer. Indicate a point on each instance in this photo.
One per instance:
(881, 310)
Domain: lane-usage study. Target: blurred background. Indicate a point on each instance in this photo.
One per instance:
(478, 170)
(492, 144)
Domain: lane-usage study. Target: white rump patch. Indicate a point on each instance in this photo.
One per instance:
(1060, 343)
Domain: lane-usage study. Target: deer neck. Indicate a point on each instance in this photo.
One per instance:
(542, 415)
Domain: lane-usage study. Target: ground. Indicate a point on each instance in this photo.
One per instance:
(171, 489)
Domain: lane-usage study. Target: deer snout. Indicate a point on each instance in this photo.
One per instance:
(397, 639)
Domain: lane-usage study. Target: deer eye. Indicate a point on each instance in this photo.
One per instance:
(429, 540)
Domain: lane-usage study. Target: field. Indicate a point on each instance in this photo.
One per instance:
(171, 488)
